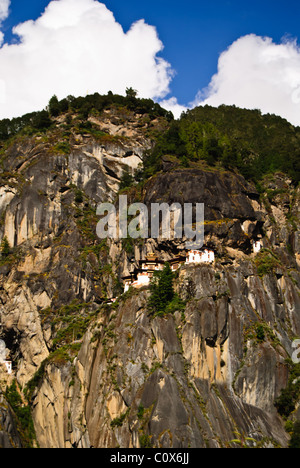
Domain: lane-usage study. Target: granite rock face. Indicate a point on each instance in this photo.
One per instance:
(9, 437)
(110, 375)
(188, 380)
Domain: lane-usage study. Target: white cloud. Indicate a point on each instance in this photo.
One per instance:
(254, 72)
(77, 47)
(172, 105)
(4, 9)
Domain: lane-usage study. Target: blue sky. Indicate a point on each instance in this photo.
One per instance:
(194, 34)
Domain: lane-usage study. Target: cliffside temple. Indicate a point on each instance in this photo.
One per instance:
(141, 276)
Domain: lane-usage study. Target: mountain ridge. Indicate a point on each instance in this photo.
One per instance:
(106, 375)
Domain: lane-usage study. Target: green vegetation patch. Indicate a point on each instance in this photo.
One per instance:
(62, 147)
(119, 421)
(163, 300)
(289, 396)
(232, 138)
(22, 412)
(266, 262)
(69, 324)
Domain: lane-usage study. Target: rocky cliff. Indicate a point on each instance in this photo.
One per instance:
(100, 374)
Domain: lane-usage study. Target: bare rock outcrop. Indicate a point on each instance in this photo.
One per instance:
(9, 437)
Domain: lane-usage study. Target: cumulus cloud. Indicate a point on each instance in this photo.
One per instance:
(254, 72)
(173, 105)
(4, 11)
(77, 47)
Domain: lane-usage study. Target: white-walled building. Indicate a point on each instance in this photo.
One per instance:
(127, 283)
(200, 256)
(143, 279)
(138, 280)
(142, 276)
(8, 365)
(256, 246)
(176, 262)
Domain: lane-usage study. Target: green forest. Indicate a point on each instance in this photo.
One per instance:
(83, 107)
(233, 138)
(225, 137)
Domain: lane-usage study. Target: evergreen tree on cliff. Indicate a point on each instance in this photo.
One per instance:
(161, 290)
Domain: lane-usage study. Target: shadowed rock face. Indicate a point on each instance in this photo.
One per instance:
(111, 375)
(225, 195)
(9, 437)
(188, 380)
(228, 201)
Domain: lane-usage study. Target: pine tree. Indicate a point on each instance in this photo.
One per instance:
(295, 439)
(54, 108)
(166, 285)
(154, 302)
(126, 180)
(161, 289)
(41, 120)
(5, 247)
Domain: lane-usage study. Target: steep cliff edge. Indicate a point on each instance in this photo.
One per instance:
(9, 437)
(111, 375)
